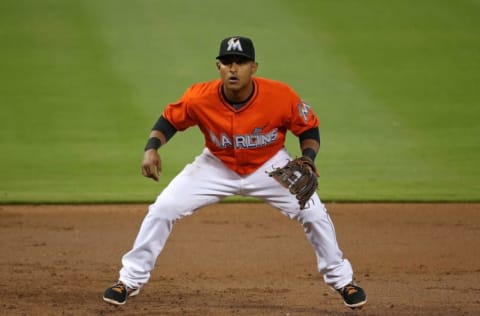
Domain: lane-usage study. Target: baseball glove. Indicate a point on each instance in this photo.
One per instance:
(300, 177)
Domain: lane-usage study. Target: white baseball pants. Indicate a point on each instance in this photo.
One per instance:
(207, 181)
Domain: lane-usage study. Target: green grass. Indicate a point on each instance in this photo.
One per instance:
(394, 84)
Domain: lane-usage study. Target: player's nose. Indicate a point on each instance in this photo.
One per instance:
(234, 66)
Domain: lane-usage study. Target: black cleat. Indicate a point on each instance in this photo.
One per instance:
(353, 295)
(117, 294)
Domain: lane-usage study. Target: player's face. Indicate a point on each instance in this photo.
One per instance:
(236, 73)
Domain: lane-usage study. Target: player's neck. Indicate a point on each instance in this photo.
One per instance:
(237, 99)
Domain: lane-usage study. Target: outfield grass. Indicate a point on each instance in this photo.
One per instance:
(393, 82)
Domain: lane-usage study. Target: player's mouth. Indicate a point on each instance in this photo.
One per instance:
(233, 79)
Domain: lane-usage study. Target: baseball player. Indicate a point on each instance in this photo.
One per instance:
(244, 119)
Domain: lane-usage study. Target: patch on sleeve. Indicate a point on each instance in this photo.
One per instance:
(304, 110)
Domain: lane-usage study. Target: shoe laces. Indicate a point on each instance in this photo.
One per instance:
(119, 287)
(349, 289)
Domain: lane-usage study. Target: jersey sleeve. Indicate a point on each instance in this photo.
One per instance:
(177, 113)
(302, 117)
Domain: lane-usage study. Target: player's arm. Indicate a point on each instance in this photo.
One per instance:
(161, 133)
(310, 143)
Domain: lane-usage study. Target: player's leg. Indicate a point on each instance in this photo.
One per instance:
(318, 226)
(203, 182)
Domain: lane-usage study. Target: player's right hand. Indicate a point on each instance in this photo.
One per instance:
(152, 164)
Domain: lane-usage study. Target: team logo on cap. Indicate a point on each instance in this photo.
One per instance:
(234, 44)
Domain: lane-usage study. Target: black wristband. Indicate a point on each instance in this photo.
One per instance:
(310, 153)
(153, 143)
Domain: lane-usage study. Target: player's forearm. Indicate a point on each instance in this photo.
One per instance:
(310, 143)
(309, 148)
(161, 133)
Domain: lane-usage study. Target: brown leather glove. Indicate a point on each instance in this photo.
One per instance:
(300, 177)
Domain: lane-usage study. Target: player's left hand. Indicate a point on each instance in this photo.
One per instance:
(300, 177)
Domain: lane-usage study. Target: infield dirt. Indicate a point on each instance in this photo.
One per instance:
(241, 259)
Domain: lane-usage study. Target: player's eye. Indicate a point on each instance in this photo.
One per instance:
(225, 61)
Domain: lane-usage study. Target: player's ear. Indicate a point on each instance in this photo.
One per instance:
(218, 65)
(254, 67)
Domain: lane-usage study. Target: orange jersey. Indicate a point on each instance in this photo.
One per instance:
(246, 138)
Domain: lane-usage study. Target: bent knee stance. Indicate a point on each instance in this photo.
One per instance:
(169, 209)
(312, 215)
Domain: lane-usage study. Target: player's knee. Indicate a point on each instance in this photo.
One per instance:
(312, 214)
(168, 209)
